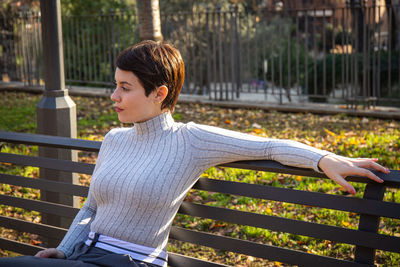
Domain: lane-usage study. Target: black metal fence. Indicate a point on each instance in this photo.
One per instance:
(348, 54)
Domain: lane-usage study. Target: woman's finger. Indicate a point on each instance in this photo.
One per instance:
(367, 173)
(39, 253)
(346, 185)
(372, 165)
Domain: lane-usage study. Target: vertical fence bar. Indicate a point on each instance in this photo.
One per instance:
(379, 56)
(289, 57)
(315, 53)
(247, 67)
(73, 48)
(29, 47)
(324, 51)
(109, 45)
(112, 45)
(255, 73)
(306, 53)
(80, 49)
(232, 56)
(398, 50)
(389, 10)
(333, 54)
(84, 50)
(264, 61)
(208, 77)
(374, 80)
(355, 54)
(187, 52)
(347, 52)
(272, 57)
(225, 57)
(200, 53)
(95, 46)
(90, 64)
(192, 50)
(220, 72)
(38, 51)
(364, 82)
(280, 58)
(239, 47)
(297, 53)
(214, 56)
(343, 52)
(67, 47)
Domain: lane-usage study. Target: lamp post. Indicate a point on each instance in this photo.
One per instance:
(56, 112)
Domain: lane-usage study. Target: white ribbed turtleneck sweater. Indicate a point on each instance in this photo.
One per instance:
(143, 174)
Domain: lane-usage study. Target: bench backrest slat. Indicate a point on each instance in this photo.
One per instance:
(41, 206)
(34, 228)
(315, 199)
(50, 141)
(256, 249)
(391, 179)
(48, 185)
(23, 248)
(279, 224)
(48, 163)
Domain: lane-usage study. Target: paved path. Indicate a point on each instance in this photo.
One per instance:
(377, 112)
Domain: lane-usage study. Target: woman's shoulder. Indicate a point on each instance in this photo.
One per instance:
(115, 133)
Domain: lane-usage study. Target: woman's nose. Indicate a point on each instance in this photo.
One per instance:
(114, 96)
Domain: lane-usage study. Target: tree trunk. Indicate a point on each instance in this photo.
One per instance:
(358, 22)
(394, 9)
(150, 22)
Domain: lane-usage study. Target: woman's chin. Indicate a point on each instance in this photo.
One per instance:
(123, 120)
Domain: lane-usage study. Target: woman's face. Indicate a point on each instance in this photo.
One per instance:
(131, 103)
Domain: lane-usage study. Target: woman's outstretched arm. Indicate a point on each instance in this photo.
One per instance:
(214, 146)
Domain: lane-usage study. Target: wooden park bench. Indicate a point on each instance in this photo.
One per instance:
(366, 238)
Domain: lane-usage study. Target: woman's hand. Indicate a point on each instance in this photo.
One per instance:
(51, 253)
(338, 168)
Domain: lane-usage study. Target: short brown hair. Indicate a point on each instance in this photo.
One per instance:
(155, 64)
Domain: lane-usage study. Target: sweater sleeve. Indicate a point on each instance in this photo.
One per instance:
(213, 146)
(80, 227)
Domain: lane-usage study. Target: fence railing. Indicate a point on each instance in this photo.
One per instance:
(348, 54)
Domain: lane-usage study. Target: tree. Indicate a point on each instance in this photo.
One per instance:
(150, 22)
(394, 27)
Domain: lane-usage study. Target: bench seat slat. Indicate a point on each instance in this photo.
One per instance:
(180, 260)
(315, 199)
(19, 247)
(257, 250)
(41, 206)
(49, 141)
(43, 184)
(48, 163)
(274, 223)
(33, 228)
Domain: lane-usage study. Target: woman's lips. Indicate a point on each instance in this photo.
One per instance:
(118, 109)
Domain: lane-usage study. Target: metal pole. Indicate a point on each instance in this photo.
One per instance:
(56, 112)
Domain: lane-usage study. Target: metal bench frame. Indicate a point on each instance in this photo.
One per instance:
(366, 239)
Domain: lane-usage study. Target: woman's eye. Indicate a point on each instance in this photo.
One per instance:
(125, 89)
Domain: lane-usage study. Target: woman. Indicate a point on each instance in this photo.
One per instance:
(143, 173)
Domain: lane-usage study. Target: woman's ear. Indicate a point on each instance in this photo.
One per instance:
(160, 94)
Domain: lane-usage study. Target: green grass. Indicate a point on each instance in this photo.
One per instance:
(348, 136)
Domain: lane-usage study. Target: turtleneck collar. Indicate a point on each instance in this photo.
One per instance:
(160, 123)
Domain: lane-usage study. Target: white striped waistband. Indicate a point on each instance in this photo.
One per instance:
(137, 252)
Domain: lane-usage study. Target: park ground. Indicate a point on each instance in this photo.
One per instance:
(341, 134)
